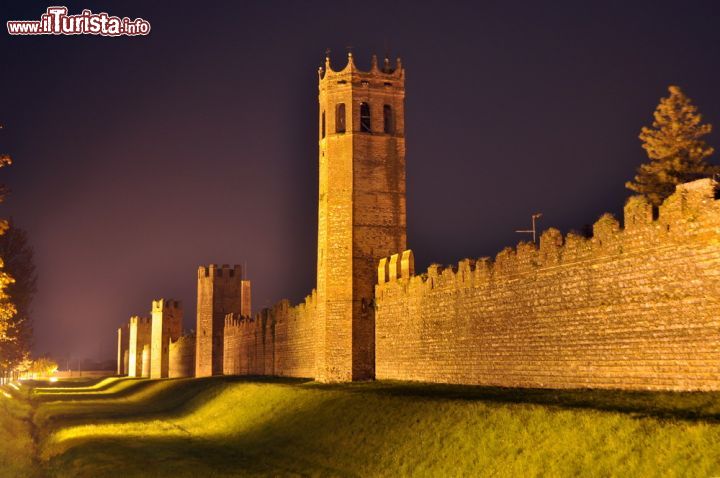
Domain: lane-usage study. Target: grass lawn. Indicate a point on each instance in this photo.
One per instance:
(228, 426)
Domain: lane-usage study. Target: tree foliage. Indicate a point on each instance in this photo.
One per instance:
(19, 263)
(43, 367)
(7, 308)
(675, 147)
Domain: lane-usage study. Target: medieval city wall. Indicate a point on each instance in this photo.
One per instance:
(278, 341)
(636, 307)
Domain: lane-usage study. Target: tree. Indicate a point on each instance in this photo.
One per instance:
(43, 367)
(19, 263)
(7, 308)
(675, 147)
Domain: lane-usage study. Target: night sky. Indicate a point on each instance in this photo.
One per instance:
(138, 159)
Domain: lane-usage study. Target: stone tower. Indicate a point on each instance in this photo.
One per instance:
(123, 344)
(361, 216)
(167, 318)
(138, 338)
(221, 291)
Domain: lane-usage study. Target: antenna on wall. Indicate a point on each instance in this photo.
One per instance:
(532, 231)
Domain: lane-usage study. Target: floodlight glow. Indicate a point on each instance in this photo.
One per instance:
(7, 395)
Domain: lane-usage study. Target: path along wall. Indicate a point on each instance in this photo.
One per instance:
(631, 308)
(278, 341)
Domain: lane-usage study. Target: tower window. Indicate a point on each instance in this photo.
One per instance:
(388, 126)
(322, 126)
(365, 117)
(340, 118)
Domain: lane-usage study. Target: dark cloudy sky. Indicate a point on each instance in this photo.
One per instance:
(138, 159)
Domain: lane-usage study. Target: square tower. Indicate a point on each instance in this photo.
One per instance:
(361, 211)
(167, 318)
(221, 291)
(123, 343)
(139, 339)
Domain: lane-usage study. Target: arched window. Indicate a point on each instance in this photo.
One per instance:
(322, 126)
(388, 126)
(340, 118)
(365, 117)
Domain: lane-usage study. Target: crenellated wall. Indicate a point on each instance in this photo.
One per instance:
(181, 361)
(278, 341)
(633, 307)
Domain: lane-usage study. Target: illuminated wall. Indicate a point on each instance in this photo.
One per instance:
(278, 341)
(631, 307)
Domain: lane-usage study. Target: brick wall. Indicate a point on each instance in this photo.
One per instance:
(635, 307)
(278, 341)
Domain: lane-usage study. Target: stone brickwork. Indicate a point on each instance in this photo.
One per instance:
(636, 307)
(181, 362)
(279, 341)
(139, 337)
(220, 292)
(167, 316)
(361, 211)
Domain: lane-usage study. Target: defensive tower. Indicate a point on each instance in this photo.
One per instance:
(167, 318)
(221, 291)
(139, 337)
(123, 344)
(361, 213)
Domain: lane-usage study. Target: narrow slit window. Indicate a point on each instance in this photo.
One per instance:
(365, 117)
(322, 126)
(340, 118)
(388, 125)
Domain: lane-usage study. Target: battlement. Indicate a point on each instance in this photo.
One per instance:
(691, 211)
(382, 73)
(225, 271)
(159, 305)
(236, 320)
(137, 320)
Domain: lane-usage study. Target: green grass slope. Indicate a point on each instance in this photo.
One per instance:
(242, 427)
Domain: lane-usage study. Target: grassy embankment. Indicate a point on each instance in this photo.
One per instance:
(230, 426)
